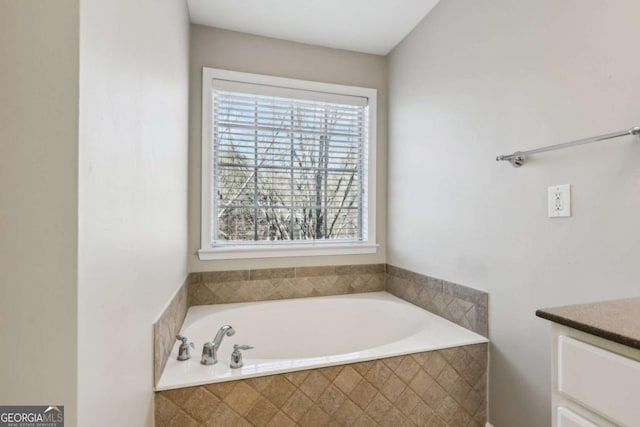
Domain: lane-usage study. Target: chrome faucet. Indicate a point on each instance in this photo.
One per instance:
(210, 349)
(236, 356)
(184, 352)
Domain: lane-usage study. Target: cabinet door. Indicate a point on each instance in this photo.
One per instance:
(600, 380)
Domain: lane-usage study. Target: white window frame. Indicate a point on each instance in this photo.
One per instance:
(290, 249)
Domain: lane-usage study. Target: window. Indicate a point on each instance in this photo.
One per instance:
(288, 167)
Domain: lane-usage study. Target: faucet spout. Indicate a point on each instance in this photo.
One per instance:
(210, 349)
(226, 330)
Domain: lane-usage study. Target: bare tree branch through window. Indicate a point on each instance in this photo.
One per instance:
(287, 169)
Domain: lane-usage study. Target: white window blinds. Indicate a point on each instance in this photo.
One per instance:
(288, 165)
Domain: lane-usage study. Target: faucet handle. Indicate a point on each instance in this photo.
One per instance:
(184, 341)
(242, 347)
(184, 352)
(236, 356)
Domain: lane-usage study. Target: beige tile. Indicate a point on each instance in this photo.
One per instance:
(407, 369)
(348, 379)
(460, 361)
(332, 372)
(393, 362)
(331, 399)
(421, 382)
(408, 423)
(472, 372)
(221, 390)
(164, 408)
(452, 355)
(478, 352)
(278, 390)
(421, 414)
(297, 378)
(378, 407)
(348, 413)
(364, 421)
(342, 395)
(193, 278)
(166, 328)
(472, 402)
(297, 405)
(453, 383)
(315, 271)
(393, 388)
(259, 384)
(407, 400)
(436, 421)
(434, 363)
(271, 273)
(181, 419)
(315, 417)
(314, 385)
(433, 395)
(392, 418)
(241, 398)
(262, 412)
(224, 276)
(360, 269)
(362, 394)
(363, 367)
(378, 374)
(474, 423)
(481, 416)
(179, 395)
(465, 306)
(200, 294)
(281, 420)
(452, 413)
(225, 416)
(201, 404)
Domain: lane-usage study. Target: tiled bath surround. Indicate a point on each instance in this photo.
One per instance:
(168, 326)
(280, 283)
(464, 306)
(449, 395)
(436, 388)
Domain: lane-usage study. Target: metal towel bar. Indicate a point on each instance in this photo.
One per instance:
(518, 158)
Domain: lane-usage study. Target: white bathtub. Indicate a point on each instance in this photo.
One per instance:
(295, 334)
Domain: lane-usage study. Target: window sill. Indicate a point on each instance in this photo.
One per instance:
(277, 251)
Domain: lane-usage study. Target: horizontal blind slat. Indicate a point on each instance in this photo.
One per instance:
(258, 135)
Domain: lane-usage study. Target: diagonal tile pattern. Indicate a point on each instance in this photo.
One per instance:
(464, 306)
(282, 283)
(438, 388)
(167, 326)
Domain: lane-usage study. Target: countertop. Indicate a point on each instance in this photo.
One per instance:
(617, 320)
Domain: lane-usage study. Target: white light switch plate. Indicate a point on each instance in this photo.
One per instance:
(559, 201)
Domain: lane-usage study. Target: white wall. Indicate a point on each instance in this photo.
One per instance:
(38, 202)
(478, 79)
(133, 197)
(211, 47)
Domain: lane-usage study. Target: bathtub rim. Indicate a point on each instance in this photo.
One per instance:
(474, 338)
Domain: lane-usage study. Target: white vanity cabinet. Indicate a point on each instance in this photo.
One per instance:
(595, 381)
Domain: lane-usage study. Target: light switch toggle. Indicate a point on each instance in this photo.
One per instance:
(559, 201)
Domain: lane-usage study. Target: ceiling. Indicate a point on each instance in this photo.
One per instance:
(371, 26)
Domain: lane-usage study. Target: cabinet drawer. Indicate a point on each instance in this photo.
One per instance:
(567, 418)
(601, 380)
